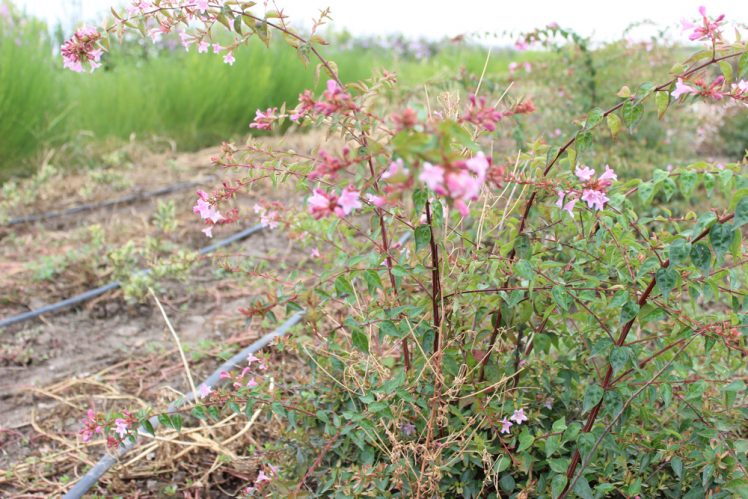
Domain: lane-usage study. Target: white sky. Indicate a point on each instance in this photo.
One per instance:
(604, 19)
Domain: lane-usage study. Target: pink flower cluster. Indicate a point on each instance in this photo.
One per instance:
(207, 212)
(264, 121)
(594, 190)
(329, 165)
(517, 417)
(322, 204)
(712, 90)
(82, 48)
(709, 28)
(262, 480)
(91, 426)
(461, 180)
(244, 379)
(334, 100)
(269, 217)
(479, 113)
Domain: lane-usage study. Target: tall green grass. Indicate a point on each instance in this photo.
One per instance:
(194, 99)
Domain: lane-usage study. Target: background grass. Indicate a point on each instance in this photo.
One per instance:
(193, 99)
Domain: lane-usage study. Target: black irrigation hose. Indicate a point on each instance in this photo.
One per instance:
(93, 293)
(106, 462)
(130, 198)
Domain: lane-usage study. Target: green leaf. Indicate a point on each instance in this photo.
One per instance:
(522, 246)
(701, 256)
(582, 488)
(687, 182)
(726, 69)
(628, 311)
(420, 196)
(561, 297)
(721, 237)
(525, 440)
(632, 113)
(645, 191)
(679, 251)
(559, 425)
(360, 340)
(741, 212)
(422, 236)
(593, 118)
(148, 427)
(584, 141)
(662, 99)
(743, 65)
(343, 286)
(388, 328)
(614, 124)
(373, 282)
(592, 396)
(619, 357)
(669, 188)
(558, 483)
(666, 278)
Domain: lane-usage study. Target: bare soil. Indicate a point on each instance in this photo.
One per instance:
(109, 352)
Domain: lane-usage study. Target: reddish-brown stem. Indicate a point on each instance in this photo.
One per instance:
(606, 383)
(436, 286)
(557, 156)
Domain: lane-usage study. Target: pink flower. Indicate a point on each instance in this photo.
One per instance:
(569, 206)
(204, 390)
(120, 427)
(519, 416)
(521, 45)
(322, 204)
(224, 375)
(377, 201)
(513, 67)
(264, 121)
(252, 358)
(334, 100)
(262, 477)
(608, 176)
(594, 198)
(206, 210)
(82, 48)
(408, 428)
(681, 89)
(251, 383)
(478, 164)
(585, 173)
(186, 40)
(481, 114)
(348, 201)
(203, 47)
(708, 28)
(315, 253)
(506, 425)
(217, 49)
(561, 196)
(208, 231)
(229, 58)
(462, 185)
(433, 177)
(396, 172)
(202, 5)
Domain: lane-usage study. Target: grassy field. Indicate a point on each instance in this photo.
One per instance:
(190, 98)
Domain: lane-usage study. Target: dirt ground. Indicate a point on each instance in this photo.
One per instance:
(109, 352)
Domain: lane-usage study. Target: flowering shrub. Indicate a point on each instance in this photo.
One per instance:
(523, 341)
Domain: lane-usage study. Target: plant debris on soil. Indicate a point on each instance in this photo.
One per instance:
(110, 353)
